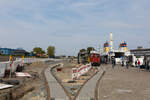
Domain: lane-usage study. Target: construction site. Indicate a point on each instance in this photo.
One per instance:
(105, 74)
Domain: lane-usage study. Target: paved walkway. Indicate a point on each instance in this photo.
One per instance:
(88, 90)
(56, 91)
(121, 83)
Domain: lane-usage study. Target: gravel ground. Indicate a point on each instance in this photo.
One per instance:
(125, 84)
(39, 92)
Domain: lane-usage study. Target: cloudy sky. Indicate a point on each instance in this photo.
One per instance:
(70, 25)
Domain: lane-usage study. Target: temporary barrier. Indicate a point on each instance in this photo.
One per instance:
(77, 72)
(12, 65)
(15, 65)
(2, 69)
(83, 69)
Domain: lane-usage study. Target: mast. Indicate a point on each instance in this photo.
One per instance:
(111, 41)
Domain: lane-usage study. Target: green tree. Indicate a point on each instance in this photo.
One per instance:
(51, 51)
(38, 50)
(89, 49)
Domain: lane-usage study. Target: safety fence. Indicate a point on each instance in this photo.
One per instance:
(12, 65)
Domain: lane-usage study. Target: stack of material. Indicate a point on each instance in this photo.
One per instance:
(21, 74)
(5, 86)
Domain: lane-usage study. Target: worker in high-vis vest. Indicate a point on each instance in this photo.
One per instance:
(22, 57)
(10, 58)
(11, 62)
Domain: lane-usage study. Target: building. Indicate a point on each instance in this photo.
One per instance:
(9, 51)
(19, 52)
(141, 52)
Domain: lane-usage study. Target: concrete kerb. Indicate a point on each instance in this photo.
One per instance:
(97, 92)
(83, 86)
(54, 66)
(60, 64)
(67, 93)
(46, 81)
(46, 84)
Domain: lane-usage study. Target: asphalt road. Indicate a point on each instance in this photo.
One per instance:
(88, 90)
(56, 91)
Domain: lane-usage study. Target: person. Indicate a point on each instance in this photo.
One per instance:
(148, 65)
(113, 62)
(127, 64)
(147, 62)
(122, 62)
(138, 63)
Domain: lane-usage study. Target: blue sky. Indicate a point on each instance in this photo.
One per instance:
(70, 25)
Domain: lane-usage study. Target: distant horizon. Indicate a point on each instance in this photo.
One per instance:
(72, 25)
(81, 48)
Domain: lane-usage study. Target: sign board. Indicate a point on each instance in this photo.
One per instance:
(74, 73)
